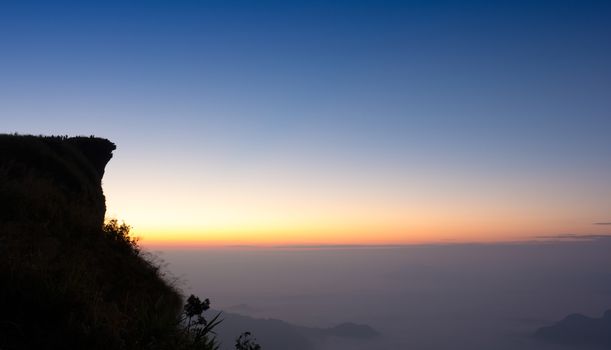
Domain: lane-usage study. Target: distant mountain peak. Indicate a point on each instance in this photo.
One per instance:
(275, 334)
(577, 329)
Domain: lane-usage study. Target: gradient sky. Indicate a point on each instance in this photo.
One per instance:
(290, 122)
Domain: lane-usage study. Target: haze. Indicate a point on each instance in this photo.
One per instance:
(437, 170)
(482, 296)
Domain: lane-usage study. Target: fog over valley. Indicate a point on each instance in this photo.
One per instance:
(455, 296)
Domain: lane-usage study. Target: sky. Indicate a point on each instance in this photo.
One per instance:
(326, 122)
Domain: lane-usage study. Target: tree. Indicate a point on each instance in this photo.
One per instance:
(246, 342)
(200, 330)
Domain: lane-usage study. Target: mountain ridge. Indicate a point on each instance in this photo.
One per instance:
(579, 330)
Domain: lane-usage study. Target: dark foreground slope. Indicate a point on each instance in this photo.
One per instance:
(67, 280)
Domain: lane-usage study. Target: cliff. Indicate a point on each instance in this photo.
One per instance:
(67, 280)
(53, 180)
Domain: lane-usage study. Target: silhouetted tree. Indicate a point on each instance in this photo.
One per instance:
(197, 327)
(246, 342)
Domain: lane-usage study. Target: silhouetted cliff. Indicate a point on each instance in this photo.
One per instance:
(67, 280)
(57, 179)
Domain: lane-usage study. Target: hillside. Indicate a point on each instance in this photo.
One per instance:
(67, 279)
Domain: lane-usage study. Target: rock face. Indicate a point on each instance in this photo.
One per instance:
(579, 330)
(53, 180)
(67, 279)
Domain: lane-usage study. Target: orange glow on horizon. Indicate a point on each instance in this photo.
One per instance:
(314, 236)
(270, 207)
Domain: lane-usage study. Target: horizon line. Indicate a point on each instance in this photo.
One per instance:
(560, 238)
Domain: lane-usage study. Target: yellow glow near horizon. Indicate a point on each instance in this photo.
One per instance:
(297, 209)
(265, 223)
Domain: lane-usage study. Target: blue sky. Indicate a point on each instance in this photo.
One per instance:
(378, 95)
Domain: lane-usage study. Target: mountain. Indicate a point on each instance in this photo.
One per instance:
(68, 280)
(275, 334)
(579, 330)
